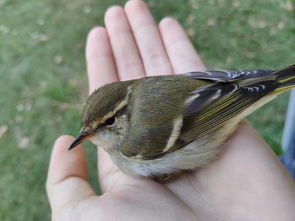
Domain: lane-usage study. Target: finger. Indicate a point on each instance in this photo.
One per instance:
(148, 38)
(67, 175)
(181, 52)
(101, 70)
(101, 66)
(125, 51)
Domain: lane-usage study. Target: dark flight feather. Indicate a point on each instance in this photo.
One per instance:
(229, 75)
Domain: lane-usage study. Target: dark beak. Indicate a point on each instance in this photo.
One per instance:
(80, 139)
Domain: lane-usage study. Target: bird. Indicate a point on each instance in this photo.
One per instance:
(160, 126)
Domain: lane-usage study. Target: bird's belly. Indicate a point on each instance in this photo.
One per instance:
(196, 154)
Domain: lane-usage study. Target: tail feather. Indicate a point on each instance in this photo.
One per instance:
(286, 75)
(285, 78)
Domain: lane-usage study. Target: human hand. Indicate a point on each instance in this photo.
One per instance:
(247, 183)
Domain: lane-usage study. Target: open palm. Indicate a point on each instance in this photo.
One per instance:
(246, 183)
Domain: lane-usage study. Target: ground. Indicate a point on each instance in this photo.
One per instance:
(43, 83)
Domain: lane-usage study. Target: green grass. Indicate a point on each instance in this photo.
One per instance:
(43, 81)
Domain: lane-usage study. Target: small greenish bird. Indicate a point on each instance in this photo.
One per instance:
(159, 126)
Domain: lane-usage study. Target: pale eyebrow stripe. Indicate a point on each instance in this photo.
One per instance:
(121, 105)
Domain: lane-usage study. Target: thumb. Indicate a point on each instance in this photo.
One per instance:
(67, 175)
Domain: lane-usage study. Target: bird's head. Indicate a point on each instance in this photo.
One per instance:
(104, 115)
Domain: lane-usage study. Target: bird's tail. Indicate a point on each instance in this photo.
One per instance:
(285, 78)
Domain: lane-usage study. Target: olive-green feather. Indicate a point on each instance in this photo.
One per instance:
(152, 112)
(97, 105)
(219, 96)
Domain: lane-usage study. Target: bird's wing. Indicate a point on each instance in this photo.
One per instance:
(210, 107)
(228, 75)
(234, 91)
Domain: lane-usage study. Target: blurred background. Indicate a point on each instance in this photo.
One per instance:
(43, 76)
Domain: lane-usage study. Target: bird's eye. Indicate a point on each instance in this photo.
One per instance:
(110, 121)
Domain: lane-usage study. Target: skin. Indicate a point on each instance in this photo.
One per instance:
(247, 183)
